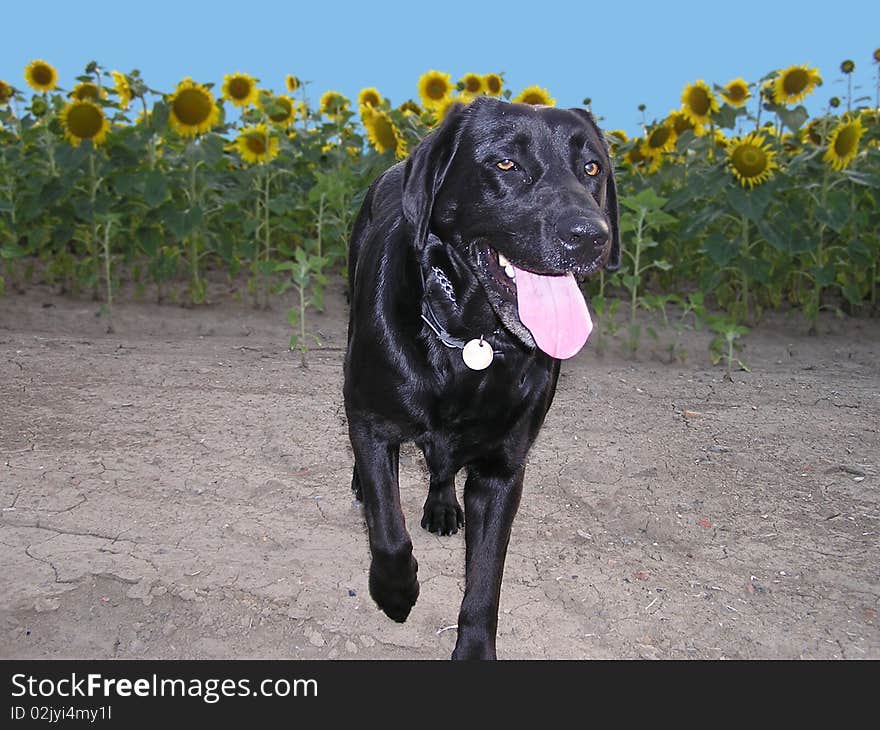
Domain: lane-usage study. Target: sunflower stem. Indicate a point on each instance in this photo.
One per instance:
(196, 295)
(107, 279)
(93, 236)
(267, 237)
(819, 260)
(745, 278)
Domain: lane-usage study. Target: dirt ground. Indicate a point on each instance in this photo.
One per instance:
(179, 488)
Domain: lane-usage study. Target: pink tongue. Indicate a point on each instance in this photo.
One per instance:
(554, 311)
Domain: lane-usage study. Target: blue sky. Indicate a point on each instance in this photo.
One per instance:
(618, 54)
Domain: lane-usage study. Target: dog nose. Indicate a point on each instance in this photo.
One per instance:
(578, 232)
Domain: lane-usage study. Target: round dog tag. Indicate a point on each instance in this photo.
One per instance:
(477, 354)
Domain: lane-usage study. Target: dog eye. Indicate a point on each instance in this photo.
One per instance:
(592, 168)
(506, 165)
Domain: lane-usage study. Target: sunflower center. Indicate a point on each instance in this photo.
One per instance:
(698, 100)
(84, 121)
(846, 142)
(472, 84)
(256, 143)
(239, 88)
(370, 99)
(681, 123)
(192, 106)
(286, 114)
(42, 74)
(494, 84)
(533, 99)
(87, 91)
(795, 81)
(749, 161)
(659, 137)
(436, 89)
(736, 92)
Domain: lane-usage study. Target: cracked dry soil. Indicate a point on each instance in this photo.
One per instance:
(179, 488)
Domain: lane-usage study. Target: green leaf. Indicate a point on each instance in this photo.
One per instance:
(792, 118)
(750, 203)
(720, 249)
(155, 188)
(824, 274)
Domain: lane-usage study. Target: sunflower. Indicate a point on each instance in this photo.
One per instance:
(122, 88)
(6, 92)
(281, 109)
(192, 109)
(41, 76)
(87, 90)
(815, 131)
(472, 84)
(719, 139)
(240, 89)
(370, 97)
(634, 156)
(256, 144)
(83, 119)
(794, 83)
(441, 111)
(618, 136)
(698, 102)
(434, 88)
(750, 159)
(536, 96)
(293, 83)
(681, 123)
(736, 92)
(333, 104)
(658, 140)
(382, 133)
(493, 84)
(843, 143)
(409, 108)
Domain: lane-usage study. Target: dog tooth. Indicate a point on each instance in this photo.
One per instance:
(502, 261)
(509, 270)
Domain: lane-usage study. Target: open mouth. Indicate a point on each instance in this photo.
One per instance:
(543, 310)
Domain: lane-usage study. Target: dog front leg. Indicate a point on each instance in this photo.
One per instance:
(393, 583)
(490, 501)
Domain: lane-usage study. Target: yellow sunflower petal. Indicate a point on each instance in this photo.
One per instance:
(240, 89)
(843, 143)
(370, 97)
(83, 119)
(736, 92)
(536, 96)
(435, 88)
(41, 76)
(793, 84)
(192, 110)
(122, 88)
(494, 84)
(257, 145)
(751, 160)
(698, 103)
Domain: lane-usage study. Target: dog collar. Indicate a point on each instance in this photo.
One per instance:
(476, 353)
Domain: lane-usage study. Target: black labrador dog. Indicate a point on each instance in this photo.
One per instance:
(464, 300)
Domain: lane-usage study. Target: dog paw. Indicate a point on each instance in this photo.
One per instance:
(442, 516)
(395, 589)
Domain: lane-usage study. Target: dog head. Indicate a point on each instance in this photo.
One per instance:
(527, 196)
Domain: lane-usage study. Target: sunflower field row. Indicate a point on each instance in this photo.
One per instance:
(737, 199)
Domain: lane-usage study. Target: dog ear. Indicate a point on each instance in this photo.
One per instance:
(610, 206)
(425, 170)
(613, 215)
